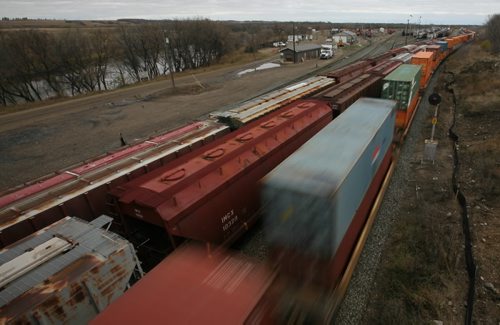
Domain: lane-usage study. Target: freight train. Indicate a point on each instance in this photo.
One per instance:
(316, 202)
(201, 181)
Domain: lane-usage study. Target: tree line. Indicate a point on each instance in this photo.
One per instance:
(36, 64)
(493, 32)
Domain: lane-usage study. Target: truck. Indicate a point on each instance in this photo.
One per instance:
(326, 52)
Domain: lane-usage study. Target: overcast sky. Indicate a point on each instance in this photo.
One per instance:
(379, 11)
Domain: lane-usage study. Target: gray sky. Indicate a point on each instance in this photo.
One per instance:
(379, 11)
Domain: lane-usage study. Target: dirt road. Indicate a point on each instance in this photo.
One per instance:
(39, 141)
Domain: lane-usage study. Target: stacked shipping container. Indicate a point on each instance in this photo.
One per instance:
(402, 85)
(426, 60)
(317, 200)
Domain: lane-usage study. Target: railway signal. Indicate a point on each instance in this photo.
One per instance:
(431, 144)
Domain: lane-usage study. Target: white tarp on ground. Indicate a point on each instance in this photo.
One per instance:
(264, 66)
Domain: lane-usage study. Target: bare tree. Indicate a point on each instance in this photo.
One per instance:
(21, 66)
(76, 57)
(151, 45)
(493, 32)
(127, 40)
(103, 44)
(197, 43)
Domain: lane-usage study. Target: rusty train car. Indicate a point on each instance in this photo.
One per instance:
(65, 273)
(177, 185)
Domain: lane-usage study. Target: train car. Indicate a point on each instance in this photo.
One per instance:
(190, 287)
(253, 109)
(403, 58)
(81, 191)
(193, 287)
(402, 85)
(64, 274)
(385, 67)
(436, 59)
(212, 195)
(316, 201)
(350, 71)
(342, 95)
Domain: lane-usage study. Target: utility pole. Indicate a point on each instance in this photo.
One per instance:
(406, 33)
(171, 63)
(420, 24)
(293, 35)
(407, 29)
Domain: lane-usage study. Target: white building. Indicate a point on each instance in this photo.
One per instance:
(345, 37)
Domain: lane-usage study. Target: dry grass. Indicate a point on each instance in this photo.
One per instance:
(423, 265)
(423, 274)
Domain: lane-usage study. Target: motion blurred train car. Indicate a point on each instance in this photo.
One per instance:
(190, 287)
(316, 201)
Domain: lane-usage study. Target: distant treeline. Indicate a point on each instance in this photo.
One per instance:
(35, 63)
(493, 33)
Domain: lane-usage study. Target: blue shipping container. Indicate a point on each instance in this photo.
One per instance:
(443, 44)
(312, 196)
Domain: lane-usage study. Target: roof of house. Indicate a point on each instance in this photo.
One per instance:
(302, 47)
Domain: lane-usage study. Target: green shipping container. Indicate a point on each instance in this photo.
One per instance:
(402, 84)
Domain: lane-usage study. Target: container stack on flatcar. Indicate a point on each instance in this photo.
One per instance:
(402, 85)
(426, 60)
(316, 202)
(436, 50)
(201, 181)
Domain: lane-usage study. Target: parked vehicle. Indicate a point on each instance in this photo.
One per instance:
(326, 52)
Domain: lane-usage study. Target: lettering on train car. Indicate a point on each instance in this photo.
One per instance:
(138, 213)
(228, 220)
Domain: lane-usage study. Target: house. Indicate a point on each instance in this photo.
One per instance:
(345, 37)
(302, 52)
(298, 38)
